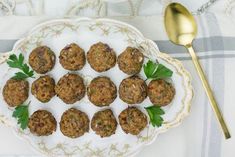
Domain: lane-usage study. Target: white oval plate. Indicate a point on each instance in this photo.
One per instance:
(57, 34)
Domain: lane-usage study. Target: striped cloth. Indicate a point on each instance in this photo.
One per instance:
(199, 135)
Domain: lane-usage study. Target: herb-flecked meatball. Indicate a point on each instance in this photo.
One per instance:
(102, 91)
(74, 123)
(42, 59)
(70, 88)
(43, 88)
(42, 123)
(130, 61)
(101, 57)
(160, 92)
(132, 120)
(104, 123)
(72, 57)
(15, 92)
(133, 90)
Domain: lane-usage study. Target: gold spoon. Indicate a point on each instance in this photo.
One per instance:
(181, 28)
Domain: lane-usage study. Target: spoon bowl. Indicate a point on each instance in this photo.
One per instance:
(180, 25)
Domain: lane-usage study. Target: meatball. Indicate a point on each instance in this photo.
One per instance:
(70, 88)
(104, 123)
(72, 57)
(130, 61)
(43, 88)
(133, 90)
(101, 57)
(74, 123)
(42, 123)
(42, 59)
(102, 91)
(160, 92)
(132, 120)
(15, 92)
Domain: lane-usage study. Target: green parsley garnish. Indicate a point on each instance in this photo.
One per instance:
(155, 113)
(21, 113)
(18, 63)
(156, 71)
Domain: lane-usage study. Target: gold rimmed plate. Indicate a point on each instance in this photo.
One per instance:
(85, 32)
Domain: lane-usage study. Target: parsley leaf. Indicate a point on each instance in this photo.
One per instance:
(20, 76)
(21, 113)
(156, 71)
(18, 63)
(149, 68)
(162, 72)
(155, 113)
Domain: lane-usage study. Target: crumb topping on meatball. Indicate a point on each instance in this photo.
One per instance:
(130, 61)
(74, 123)
(102, 91)
(43, 88)
(133, 90)
(101, 57)
(42, 123)
(16, 92)
(132, 120)
(72, 57)
(160, 92)
(42, 59)
(70, 88)
(104, 123)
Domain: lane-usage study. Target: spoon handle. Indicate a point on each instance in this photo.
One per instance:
(209, 93)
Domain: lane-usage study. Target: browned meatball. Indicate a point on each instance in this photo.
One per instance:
(132, 120)
(101, 57)
(160, 92)
(42, 123)
(70, 88)
(102, 91)
(42, 59)
(74, 123)
(130, 61)
(72, 57)
(133, 90)
(15, 92)
(43, 88)
(104, 123)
